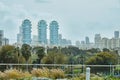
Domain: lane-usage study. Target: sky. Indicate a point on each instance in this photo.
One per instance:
(77, 18)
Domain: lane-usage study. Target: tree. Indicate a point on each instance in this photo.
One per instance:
(55, 58)
(26, 52)
(74, 50)
(7, 54)
(106, 50)
(102, 58)
(40, 52)
(17, 52)
(94, 50)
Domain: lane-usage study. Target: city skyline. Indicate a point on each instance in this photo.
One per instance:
(24, 37)
(77, 18)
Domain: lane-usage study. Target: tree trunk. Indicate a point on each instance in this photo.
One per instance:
(27, 65)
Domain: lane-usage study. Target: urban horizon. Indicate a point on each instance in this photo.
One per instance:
(77, 42)
(14, 40)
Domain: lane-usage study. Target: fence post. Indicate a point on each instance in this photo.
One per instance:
(87, 73)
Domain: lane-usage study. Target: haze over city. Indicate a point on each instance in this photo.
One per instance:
(77, 18)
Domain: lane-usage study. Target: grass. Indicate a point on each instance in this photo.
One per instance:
(14, 74)
(19, 74)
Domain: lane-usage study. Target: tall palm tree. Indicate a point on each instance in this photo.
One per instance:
(40, 52)
(26, 52)
(17, 51)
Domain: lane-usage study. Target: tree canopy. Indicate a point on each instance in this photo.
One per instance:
(102, 58)
(26, 51)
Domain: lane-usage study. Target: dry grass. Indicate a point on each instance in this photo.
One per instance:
(40, 72)
(44, 72)
(57, 73)
(49, 73)
(14, 74)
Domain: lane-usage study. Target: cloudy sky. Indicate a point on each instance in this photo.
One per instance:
(76, 18)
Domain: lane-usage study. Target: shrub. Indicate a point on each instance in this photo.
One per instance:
(49, 73)
(2, 75)
(40, 72)
(19, 74)
(14, 74)
(57, 73)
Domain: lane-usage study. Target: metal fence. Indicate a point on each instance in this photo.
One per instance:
(70, 70)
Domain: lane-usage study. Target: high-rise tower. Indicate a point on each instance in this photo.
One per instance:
(26, 31)
(116, 34)
(97, 41)
(54, 33)
(42, 32)
(19, 36)
(1, 37)
(87, 40)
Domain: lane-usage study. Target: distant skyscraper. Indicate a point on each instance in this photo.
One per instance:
(54, 33)
(5, 41)
(104, 43)
(1, 37)
(87, 40)
(42, 32)
(69, 42)
(26, 31)
(60, 39)
(19, 36)
(113, 43)
(77, 43)
(35, 40)
(116, 34)
(97, 41)
(82, 42)
(64, 42)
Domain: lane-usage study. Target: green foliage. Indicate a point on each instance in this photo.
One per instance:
(26, 51)
(106, 50)
(94, 50)
(55, 58)
(102, 58)
(7, 54)
(71, 50)
(112, 78)
(40, 52)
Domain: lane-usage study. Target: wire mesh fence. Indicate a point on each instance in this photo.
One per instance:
(68, 68)
(54, 71)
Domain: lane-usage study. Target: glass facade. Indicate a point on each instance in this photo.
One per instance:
(116, 34)
(1, 37)
(42, 32)
(87, 40)
(54, 33)
(26, 31)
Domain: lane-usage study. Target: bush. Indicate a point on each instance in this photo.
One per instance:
(19, 74)
(49, 73)
(57, 73)
(14, 74)
(40, 72)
